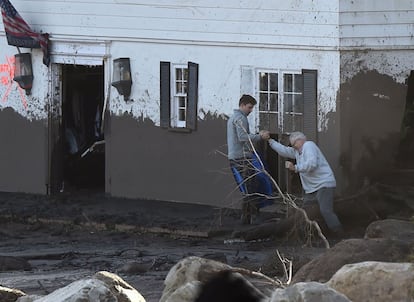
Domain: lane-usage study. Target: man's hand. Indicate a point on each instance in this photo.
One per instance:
(264, 134)
(289, 165)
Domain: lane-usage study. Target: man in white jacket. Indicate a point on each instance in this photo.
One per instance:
(317, 178)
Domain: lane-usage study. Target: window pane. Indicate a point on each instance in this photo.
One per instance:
(263, 103)
(273, 82)
(287, 103)
(181, 102)
(287, 82)
(178, 74)
(181, 114)
(274, 102)
(263, 121)
(269, 121)
(184, 86)
(292, 122)
(273, 123)
(298, 85)
(298, 103)
(185, 71)
(178, 87)
(287, 123)
(263, 81)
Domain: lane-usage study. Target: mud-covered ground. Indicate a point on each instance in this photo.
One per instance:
(72, 236)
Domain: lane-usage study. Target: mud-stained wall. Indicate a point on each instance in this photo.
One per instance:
(154, 163)
(23, 122)
(371, 107)
(23, 153)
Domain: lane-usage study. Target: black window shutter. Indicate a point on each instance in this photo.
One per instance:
(192, 96)
(165, 94)
(310, 104)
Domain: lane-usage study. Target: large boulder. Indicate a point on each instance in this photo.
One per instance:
(188, 270)
(185, 293)
(322, 268)
(103, 286)
(375, 281)
(308, 292)
(10, 294)
(391, 228)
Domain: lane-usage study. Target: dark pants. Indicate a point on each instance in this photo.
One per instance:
(324, 197)
(244, 174)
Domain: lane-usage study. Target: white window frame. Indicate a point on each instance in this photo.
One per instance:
(280, 93)
(175, 97)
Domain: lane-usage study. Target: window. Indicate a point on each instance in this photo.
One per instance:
(179, 92)
(178, 95)
(287, 101)
(292, 102)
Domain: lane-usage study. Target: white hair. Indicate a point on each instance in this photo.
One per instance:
(294, 136)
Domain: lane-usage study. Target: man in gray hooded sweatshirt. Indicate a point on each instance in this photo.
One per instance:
(240, 153)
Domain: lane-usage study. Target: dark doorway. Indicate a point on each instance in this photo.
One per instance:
(84, 141)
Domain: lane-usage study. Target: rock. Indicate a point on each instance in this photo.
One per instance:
(8, 263)
(391, 228)
(322, 268)
(375, 281)
(135, 268)
(185, 293)
(28, 298)
(121, 289)
(10, 294)
(103, 286)
(308, 292)
(188, 270)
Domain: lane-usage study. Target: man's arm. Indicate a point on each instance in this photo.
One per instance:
(242, 131)
(282, 150)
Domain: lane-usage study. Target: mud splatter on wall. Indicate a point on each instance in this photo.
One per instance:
(372, 107)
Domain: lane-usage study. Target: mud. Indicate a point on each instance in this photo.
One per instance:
(70, 236)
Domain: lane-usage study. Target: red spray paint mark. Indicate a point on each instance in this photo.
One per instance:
(6, 79)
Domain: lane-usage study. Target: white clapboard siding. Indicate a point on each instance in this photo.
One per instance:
(291, 23)
(376, 24)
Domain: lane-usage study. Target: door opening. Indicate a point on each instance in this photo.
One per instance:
(84, 142)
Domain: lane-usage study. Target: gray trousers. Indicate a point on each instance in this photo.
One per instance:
(324, 197)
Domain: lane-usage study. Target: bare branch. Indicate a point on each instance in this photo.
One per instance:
(250, 273)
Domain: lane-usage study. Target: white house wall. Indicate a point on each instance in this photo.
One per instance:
(299, 23)
(187, 26)
(219, 75)
(373, 24)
